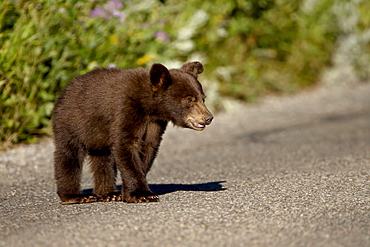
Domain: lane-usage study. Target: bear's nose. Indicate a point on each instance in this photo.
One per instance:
(208, 119)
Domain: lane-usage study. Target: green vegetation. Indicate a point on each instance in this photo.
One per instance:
(249, 48)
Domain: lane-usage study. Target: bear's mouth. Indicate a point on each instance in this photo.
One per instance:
(196, 126)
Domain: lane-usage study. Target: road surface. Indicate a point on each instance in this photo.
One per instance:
(289, 171)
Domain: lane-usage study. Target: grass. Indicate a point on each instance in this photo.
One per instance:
(249, 48)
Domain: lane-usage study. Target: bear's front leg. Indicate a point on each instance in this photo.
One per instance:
(151, 140)
(135, 188)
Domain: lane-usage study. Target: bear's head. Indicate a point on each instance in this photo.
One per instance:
(180, 96)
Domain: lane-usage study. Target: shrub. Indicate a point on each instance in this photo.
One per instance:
(249, 48)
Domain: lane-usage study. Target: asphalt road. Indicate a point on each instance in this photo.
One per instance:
(290, 171)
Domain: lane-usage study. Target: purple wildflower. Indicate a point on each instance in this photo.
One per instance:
(162, 36)
(111, 8)
(118, 14)
(113, 5)
(99, 12)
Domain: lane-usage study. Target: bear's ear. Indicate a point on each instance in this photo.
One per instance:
(160, 77)
(194, 68)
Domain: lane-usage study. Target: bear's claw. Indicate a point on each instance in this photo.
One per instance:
(80, 199)
(113, 197)
(142, 199)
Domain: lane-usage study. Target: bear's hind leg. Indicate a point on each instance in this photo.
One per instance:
(135, 188)
(105, 173)
(68, 168)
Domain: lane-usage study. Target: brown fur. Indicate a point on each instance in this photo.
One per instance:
(116, 118)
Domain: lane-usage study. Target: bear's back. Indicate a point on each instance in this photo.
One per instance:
(103, 88)
(90, 103)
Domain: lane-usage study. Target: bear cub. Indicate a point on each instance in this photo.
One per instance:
(116, 119)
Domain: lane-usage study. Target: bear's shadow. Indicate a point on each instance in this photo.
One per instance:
(162, 189)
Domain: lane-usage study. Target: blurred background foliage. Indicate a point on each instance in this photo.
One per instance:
(249, 48)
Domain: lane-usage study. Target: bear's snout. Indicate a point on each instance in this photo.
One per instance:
(199, 122)
(208, 119)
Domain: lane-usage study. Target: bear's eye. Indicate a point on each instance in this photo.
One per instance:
(190, 99)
